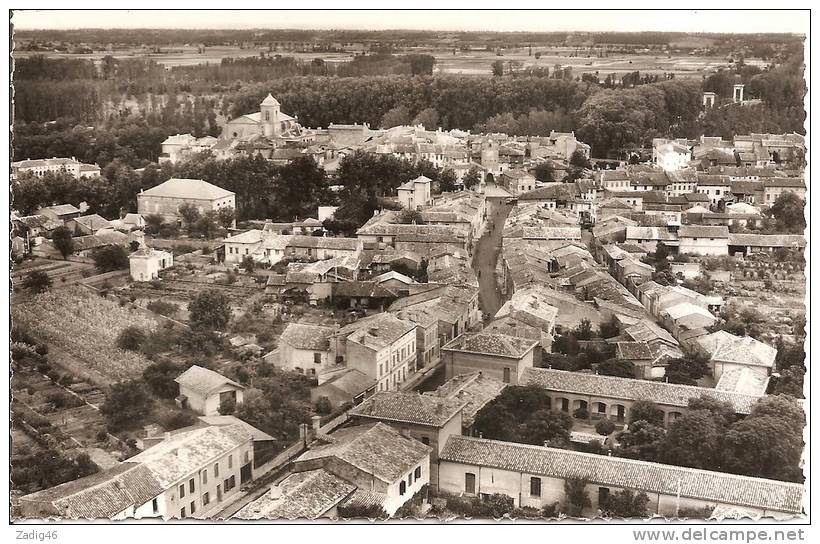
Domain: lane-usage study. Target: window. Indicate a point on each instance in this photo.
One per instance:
(410, 479)
(205, 499)
(402, 487)
(204, 476)
(216, 470)
(506, 375)
(603, 495)
(230, 461)
(247, 456)
(535, 487)
(417, 473)
(181, 491)
(155, 505)
(469, 483)
(317, 358)
(230, 483)
(182, 512)
(191, 485)
(193, 507)
(425, 440)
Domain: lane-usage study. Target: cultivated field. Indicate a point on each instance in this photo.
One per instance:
(479, 62)
(83, 327)
(462, 62)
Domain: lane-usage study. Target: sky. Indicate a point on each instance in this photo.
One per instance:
(499, 20)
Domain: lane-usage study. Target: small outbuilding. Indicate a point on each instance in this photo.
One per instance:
(203, 390)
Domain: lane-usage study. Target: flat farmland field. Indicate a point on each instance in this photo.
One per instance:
(463, 62)
(480, 62)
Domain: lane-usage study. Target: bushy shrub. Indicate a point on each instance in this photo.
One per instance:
(605, 427)
(131, 338)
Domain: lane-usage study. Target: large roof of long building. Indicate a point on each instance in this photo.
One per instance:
(194, 189)
(101, 495)
(409, 407)
(623, 473)
(668, 394)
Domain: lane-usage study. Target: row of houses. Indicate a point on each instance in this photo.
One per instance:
(753, 186)
(395, 443)
(533, 476)
(748, 150)
(710, 240)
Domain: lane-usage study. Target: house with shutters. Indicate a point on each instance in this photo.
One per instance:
(364, 465)
(381, 346)
(187, 475)
(305, 348)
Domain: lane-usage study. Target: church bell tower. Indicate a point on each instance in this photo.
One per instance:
(270, 116)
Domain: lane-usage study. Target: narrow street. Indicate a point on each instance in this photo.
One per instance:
(487, 250)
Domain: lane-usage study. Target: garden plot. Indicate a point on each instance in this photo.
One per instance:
(84, 326)
(79, 423)
(60, 272)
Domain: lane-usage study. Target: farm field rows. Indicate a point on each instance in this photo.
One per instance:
(84, 325)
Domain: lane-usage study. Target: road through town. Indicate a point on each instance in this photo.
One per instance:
(486, 255)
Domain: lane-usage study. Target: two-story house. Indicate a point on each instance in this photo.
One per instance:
(381, 346)
(430, 419)
(190, 474)
(499, 356)
(166, 198)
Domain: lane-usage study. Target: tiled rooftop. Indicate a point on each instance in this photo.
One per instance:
(183, 454)
(306, 336)
(409, 407)
(475, 389)
(377, 331)
(195, 189)
(101, 495)
(491, 344)
(631, 389)
(302, 495)
(203, 380)
(377, 449)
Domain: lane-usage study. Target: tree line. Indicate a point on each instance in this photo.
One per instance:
(133, 111)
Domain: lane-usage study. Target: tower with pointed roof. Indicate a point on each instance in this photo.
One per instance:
(269, 110)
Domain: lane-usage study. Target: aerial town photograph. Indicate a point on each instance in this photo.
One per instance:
(326, 266)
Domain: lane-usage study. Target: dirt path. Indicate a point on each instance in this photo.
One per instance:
(486, 256)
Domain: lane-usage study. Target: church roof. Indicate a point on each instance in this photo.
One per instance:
(270, 101)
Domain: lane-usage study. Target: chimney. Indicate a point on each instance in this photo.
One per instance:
(316, 422)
